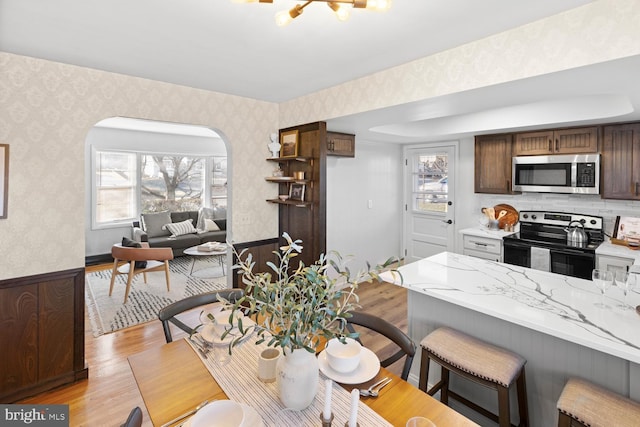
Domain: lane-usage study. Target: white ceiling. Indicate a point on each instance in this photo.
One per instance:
(237, 48)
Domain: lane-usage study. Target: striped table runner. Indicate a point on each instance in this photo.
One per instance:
(239, 380)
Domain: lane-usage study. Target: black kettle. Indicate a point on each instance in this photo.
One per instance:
(576, 236)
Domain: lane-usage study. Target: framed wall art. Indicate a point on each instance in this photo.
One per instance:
(4, 179)
(296, 192)
(289, 143)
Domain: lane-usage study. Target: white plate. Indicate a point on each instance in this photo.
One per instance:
(251, 418)
(216, 340)
(366, 370)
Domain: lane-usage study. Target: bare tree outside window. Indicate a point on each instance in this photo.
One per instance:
(172, 183)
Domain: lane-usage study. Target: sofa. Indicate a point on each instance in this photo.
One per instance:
(181, 230)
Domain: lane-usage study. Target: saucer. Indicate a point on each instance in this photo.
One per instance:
(367, 368)
(216, 340)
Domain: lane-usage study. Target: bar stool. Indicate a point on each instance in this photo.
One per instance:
(481, 362)
(585, 404)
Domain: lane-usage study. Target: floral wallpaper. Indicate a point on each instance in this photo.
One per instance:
(48, 108)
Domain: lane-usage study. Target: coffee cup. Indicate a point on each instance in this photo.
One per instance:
(267, 362)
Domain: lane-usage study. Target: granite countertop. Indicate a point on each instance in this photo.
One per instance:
(554, 304)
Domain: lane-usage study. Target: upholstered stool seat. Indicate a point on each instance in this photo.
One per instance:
(481, 362)
(585, 404)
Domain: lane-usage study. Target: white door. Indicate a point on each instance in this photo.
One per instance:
(429, 200)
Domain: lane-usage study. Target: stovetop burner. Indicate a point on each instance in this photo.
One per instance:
(548, 229)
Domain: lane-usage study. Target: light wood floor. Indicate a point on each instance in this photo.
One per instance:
(106, 398)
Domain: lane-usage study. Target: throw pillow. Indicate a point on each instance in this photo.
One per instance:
(153, 223)
(127, 242)
(210, 225)
(221, 223)
(204, 213)
(180, 228)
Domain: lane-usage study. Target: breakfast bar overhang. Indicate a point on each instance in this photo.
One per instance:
(550, 319)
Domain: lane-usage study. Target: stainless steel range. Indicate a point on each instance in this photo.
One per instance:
(547, 241)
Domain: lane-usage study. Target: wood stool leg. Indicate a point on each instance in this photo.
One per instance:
(444, 390)
(564, 420)
(523, 407)
(423, 383)
(504, 414)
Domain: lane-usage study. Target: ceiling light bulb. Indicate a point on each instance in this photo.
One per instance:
(342, 12)
(379, 5)
(286, 16)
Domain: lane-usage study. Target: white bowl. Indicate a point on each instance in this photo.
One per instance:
(341, 357)
(283, 197)
(221, 413)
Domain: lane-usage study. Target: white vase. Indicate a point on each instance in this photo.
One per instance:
(297, 378)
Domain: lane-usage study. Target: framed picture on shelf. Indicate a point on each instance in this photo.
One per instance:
(289, 143)
(296, 192)
(627, 229)
(4, 179)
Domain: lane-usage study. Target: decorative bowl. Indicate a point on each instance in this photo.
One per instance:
(341, 357)
(283, 197)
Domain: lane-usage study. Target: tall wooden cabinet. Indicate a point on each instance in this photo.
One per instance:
(621, 162)
(305, 220)
(493, 163)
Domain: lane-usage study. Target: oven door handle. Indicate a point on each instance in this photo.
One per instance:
(515, 244)
(571, 252)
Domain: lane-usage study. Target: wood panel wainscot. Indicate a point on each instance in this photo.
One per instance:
(42, 333)
(261, 251)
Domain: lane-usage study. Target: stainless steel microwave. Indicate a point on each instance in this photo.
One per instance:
(563, 173)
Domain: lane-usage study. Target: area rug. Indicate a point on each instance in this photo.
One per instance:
(108, 313)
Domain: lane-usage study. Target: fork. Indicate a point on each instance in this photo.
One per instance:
(375, 388)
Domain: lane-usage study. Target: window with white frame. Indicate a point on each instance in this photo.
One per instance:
(127, 184)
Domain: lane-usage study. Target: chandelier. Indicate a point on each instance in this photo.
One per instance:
(341, 8)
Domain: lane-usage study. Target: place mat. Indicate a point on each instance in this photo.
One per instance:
(239, 380)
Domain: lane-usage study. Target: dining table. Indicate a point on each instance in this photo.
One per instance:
(173, 380)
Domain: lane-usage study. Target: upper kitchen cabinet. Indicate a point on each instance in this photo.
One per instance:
(560, 141)
(493, 164)
(621, 162)
(341, 144)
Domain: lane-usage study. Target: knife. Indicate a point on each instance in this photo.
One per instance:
(186, 414)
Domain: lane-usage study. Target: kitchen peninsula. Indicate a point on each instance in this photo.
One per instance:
(550, 319)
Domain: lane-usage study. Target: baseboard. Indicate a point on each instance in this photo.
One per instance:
(98, 259)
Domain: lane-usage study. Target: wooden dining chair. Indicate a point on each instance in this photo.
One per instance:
(168, 314)
(134, 419)
(124, 262)
(406, 346)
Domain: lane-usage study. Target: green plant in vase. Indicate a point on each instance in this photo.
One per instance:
(297, 309)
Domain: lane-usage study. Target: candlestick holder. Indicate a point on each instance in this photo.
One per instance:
(326, 423)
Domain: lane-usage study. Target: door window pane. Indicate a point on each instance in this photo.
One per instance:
(430, 183)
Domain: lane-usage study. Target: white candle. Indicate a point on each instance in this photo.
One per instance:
(353, 417)
(326, 413)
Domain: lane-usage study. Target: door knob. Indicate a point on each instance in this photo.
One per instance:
(448, 221)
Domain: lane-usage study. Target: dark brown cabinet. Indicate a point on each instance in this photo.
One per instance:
(620, 176)
(557, 141)
(493, 164)
(42, 339)
(341, 144)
